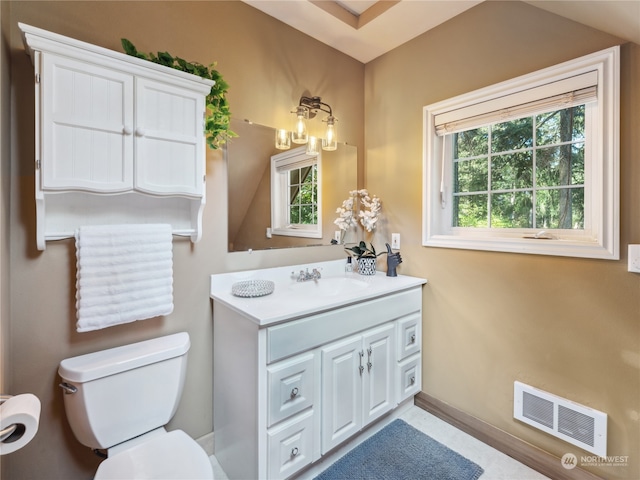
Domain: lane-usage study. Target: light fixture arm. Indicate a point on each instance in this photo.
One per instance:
(313, 104)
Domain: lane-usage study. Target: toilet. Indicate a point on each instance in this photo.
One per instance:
(120, 399)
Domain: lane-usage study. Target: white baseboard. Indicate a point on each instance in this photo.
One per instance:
(207, 443)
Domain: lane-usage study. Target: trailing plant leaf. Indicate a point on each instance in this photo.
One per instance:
(218, 118)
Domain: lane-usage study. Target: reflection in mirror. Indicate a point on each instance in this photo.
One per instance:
(249, 183)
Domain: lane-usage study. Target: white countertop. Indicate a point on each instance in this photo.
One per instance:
(292, 299)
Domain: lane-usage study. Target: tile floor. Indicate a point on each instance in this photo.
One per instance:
(496, 465)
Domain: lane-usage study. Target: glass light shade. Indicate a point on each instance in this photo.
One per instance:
(313, 147)
(330, 142)
(283, 140)
(299, 134)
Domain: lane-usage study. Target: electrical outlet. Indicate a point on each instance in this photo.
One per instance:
(268, 232)
(395, 241)
(634, 258)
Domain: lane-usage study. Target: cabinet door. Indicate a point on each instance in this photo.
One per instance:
(378, 381)
(86, 126)
(169, 137)
(342, 369)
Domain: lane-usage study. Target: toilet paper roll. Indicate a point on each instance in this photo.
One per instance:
(23, 411)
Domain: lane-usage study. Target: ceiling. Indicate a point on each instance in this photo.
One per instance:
(365, 29)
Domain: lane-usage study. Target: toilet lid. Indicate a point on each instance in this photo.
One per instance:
(174, 455)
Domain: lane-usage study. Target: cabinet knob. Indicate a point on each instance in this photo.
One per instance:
(294, 392)
(140, 132)
(294, 451)
(413, 338)
(412, 380)
(127, 130)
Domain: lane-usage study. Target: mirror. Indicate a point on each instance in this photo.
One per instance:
(249, 185)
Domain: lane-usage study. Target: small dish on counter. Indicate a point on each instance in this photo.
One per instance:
(252, 288)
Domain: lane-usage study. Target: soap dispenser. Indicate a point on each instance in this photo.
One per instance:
(348, 267)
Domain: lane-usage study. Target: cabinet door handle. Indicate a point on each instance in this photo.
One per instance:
(413, 338)
(140, 132)
(369, 364)
(127, 130)
(361, 368)
(294, 452)
(294, 392)
(412, 380)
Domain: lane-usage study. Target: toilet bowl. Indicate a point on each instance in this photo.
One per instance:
(120, 399)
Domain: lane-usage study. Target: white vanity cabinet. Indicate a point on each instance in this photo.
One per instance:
(118, 139)
(289, 387)
(357, 383)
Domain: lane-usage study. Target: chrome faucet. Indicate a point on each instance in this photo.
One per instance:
(304, 276)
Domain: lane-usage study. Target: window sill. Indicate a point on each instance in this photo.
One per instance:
(541, 246)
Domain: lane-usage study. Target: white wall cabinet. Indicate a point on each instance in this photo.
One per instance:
(287, 394)
(86, 110)
(118, 139)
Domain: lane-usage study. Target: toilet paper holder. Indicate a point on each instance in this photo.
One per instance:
(8, 431)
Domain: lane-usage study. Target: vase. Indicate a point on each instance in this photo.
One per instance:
(367, 266)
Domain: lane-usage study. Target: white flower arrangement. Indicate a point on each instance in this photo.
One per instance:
(367, 217)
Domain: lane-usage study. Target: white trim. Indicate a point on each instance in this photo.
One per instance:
(602, 205)
(281, 164)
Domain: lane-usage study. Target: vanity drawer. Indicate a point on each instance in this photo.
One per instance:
(291, 384)
(290, 446)
(409, 335)
(410, 377)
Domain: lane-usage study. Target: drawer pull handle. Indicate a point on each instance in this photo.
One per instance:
(412, 380)
(294, 392)
(294, 452)
(413, 338)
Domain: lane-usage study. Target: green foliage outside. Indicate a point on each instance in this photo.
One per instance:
(303, 196)
(218, 118)
(524, 173)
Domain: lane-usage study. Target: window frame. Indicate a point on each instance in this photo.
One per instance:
(281, 165)
(601, 236)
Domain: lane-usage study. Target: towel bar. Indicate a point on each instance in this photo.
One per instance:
(54, 236)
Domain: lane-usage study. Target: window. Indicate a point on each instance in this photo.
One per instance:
(296, 194)
(530, 165)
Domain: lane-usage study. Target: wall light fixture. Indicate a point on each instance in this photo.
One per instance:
(307, 109)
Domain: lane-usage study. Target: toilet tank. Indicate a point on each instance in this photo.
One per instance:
(125, 391)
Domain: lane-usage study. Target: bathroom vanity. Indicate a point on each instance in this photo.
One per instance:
(300, 371)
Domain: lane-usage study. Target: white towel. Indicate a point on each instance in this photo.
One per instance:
(124, 274)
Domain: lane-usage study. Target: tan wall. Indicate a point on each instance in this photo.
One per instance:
(259, 58)
(567, 325)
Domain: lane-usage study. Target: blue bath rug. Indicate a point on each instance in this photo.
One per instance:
(400, 452)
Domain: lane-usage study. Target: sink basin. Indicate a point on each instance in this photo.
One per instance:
(329, 286)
